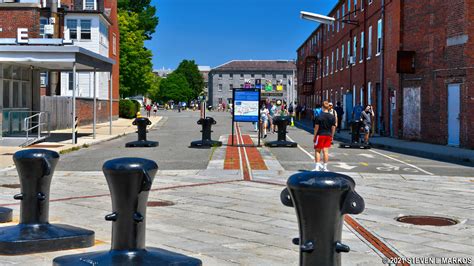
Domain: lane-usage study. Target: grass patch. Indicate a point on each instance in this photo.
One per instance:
(69, 150)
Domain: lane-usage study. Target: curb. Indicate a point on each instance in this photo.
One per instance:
(419, 153)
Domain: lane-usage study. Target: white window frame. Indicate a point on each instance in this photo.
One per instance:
(362, 35)
(343, 13)
(332, 62)
(337, 59)
(342, 57)
(354, 97)
(379, 37)
(338, 20)
(362, 96)
(80, 30)
(78, 27)
(348, 52)
(219, 88)
(369, 93)
(369, 44)
(84, 7)
(355, 49)
(355, 8)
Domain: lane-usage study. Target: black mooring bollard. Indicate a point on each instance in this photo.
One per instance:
(5, 215)
(129, 181)
(206, 140)
(142, 123)
(282, 123)
(34, 233)
(320, 200)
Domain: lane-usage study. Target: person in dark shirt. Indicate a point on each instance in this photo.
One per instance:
(366, 119)
(324, 130)
(340, 113)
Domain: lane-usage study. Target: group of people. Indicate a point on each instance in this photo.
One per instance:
(269, 110)
(327, 119)
(149, 107)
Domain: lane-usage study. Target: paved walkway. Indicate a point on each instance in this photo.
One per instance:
(60, 140)
(421, 149)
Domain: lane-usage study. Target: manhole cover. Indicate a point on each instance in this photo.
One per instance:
(427, 220)
(11, 185)
(161, 203)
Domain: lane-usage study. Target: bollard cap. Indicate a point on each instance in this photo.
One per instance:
(35, 154)
(130, 164)
(321, 181)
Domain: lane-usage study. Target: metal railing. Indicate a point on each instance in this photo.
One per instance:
(30, 125)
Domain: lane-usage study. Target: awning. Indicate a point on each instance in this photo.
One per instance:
(55, 58)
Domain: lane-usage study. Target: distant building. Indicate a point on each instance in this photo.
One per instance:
(205, 75)
(278, 75)
(163, 72)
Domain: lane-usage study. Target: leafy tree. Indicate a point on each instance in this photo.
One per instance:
(190, 71)
(154, 91)
(146, 14)
(135, 59)
(176, 88)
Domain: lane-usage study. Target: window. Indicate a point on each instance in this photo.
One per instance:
(362, 46)
(85, 29)
(274, 76)
(90, 5)
(332, 62)
(354, 96)
(231, 76)
(379, 37)
(104, 33)
(355, 7)
(337, 59)
(44, 79)
(338, 21)
(362, 96)
(348, 52)
(263, 75)
(355, 49)
(252, 75)
(43, 21)
(6, 93)
(348, 6)
(327, 65)
(362, 5)
(369, 44)
(342, 57)
(284, 76)
(343, 13)
(220, 76)
(114, 44)
(241, 76)
(231, 87)
(369, 93)
(71, 24)
(71, 81)
(220, 87)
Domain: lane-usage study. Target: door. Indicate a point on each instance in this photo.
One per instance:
(379, 109)
(453, 114)
(348, 104)
(411, 113)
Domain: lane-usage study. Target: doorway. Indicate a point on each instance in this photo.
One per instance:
(348, 105)
(454, 109)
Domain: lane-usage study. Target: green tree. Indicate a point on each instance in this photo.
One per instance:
(190, 71)
(135, 59)
(146, 14)
(176, 88)
(154, 91)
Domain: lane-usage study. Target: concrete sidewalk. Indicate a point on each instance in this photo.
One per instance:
(415, 148)
(60, 140)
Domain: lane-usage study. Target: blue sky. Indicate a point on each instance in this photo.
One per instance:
(213, 32)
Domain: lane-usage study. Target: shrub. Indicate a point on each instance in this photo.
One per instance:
(137, 105)
(127, 109)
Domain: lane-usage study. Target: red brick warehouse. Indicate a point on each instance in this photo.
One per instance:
(423, 51)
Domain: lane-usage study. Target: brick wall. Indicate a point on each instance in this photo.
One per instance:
(85, 107)
(12, 18)
(114, 33)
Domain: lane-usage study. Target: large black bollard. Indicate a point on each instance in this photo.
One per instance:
(5, 215)
(282, 123)
(320, 200)
(129, 181)
(206, 140)
(142, 123)
(34, 233)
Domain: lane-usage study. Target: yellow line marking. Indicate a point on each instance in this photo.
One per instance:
(364, 164)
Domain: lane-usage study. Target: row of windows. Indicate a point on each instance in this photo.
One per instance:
(340, 15)
(332, 66)
(231, 87)
(231, 76)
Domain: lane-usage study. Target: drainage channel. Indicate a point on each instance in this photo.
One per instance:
(427, 220)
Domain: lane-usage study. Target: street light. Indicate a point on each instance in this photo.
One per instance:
(317, 18)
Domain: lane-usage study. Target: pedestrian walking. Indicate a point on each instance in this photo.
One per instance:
(316, 112)
(264, 118)
(323, 134)
(272, 112)
(333, 112)
(340, 113)
(148, 110)
(356, 123)
(155, 109)
(366, 119)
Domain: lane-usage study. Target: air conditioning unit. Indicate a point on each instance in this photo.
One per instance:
(352, 60)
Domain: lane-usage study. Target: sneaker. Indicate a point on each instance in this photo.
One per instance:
(265, 136)
(318, 168)
(324, 168)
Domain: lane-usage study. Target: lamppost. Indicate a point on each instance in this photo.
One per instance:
(327, 21)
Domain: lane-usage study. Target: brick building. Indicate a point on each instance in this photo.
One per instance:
(423, 53)
(36, 31)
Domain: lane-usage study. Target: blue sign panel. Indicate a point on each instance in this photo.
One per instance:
(246, 102)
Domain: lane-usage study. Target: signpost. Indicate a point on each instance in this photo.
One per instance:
(246, 103)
